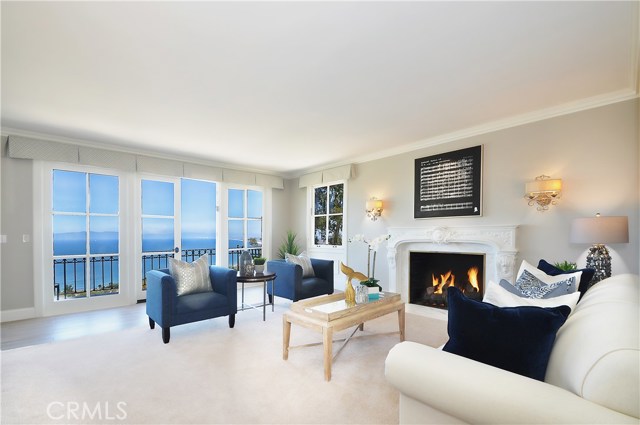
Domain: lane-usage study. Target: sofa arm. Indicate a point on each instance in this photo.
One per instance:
(473, 392)
(161, 294)
(323, 269)
(225, 281)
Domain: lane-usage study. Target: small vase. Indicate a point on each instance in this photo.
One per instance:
(349, 293)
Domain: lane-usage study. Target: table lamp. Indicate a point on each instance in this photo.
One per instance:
(598, 231)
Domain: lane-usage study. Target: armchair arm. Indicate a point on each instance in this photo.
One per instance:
(477, 393)
(323, 269)
(161, 295)
(289, 277)
(225, 281)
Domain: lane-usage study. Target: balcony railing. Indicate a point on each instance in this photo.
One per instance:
(69, 276)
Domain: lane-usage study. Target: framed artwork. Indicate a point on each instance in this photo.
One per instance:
(449, 184)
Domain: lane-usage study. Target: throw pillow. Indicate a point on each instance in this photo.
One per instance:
(303, 261)
(545, 277)
(566, 287)
(191, 277)
(585, 277)
(500, 297)
(517, 339)
(532, 287)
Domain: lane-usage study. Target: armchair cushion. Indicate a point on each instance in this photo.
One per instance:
(191, 278)
(303, 261)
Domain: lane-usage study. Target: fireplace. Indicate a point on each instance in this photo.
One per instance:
(431, 273)
(496, 243)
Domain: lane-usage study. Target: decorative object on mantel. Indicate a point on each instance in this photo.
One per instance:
(448, 184)
(372, 246)
(374, 208)
(349, 291)
(258, 263)
(600, 230)
(245, 265)
(543, 191)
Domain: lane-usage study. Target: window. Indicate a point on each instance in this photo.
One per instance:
(244, 223)
(86, 234)
(328, 214)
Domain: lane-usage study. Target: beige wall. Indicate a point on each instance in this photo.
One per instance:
(594, 152)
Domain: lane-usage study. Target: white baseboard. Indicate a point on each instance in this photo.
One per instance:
(17, 314)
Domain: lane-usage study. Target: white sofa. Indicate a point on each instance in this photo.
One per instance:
(593, 375)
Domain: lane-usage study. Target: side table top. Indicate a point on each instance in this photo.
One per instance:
(256, 277)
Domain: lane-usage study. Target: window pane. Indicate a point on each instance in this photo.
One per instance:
(69, 191)
(198, 214)
(236, 203)
(103, 194)
(104, 276)
(254, 233)
(69, 235)
(69, 278)
(157, 234)
(103, 235)
(320, 231)
(335, 230)
(254, 204)
(236, 234)
(157, 198)
(320, 201)
(336, 198)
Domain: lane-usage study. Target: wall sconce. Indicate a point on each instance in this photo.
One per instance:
(597, 231)
(374, 208)
(543, 191)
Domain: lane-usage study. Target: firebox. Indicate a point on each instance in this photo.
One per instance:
(431, 273)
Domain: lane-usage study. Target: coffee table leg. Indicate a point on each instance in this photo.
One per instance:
(286, 336)
(327, 339)
(401, 322)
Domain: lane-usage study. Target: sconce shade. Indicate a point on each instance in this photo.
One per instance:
(550, 185)
(374, 204)
(600, 230)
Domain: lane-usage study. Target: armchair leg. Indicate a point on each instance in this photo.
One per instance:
(232, 320)
(152, 324)
(165, 335)
(270, 298)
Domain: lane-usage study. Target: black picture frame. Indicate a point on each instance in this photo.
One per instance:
(449, 184)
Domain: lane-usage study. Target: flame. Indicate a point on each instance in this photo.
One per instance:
(473, 278)
(447, 279)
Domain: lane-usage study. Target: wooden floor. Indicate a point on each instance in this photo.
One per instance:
(42, 330)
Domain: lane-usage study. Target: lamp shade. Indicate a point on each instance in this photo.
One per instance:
(540, 185)
(373, 204)
(600, 230)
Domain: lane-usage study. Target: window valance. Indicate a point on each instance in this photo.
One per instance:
(344, 172)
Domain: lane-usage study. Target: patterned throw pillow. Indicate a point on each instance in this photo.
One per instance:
(303, 261)
(191, 277)
(532, 287)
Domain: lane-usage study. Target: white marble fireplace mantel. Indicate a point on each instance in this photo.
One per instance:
(497, 243)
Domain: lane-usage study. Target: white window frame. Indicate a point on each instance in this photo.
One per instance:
(43, 243)
(224, 217)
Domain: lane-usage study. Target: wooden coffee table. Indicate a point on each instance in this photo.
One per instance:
(330, 313)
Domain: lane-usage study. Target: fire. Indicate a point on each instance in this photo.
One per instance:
(472, 273)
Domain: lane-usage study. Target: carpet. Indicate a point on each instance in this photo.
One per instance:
(208, 373)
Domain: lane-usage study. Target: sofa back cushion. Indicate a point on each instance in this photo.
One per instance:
(597, 353)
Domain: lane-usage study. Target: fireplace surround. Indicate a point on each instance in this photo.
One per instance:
(496, 243)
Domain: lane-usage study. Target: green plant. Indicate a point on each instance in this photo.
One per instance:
(289, 245)
(566, 266)
(259, 261)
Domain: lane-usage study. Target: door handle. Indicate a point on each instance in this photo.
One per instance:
(176, 250)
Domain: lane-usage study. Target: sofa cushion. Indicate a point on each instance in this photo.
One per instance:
(585, 277)
(548, 291)
(191, 278)
(517, 339)
(495, 294)
(548, 279)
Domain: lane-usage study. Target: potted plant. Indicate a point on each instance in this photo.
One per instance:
(289, 245)
(566, 266)
(258, 262)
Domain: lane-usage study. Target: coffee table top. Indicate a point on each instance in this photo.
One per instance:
(334, 306)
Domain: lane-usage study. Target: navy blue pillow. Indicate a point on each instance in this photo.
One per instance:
(585, 277)
(517, 339)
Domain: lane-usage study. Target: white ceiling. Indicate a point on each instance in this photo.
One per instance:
(291, 86)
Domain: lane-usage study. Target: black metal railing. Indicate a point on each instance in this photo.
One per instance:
(154, 262)
(235, 253)
(69, 276)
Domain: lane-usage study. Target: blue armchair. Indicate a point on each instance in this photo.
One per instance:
(291, 285)
(167, 309)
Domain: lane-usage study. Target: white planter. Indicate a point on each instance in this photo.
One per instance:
(259, 268)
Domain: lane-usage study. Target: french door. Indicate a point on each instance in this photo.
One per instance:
(177, 220)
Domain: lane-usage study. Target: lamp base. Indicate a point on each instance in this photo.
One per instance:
(599, 259)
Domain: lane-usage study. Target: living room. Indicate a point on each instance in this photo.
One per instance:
(577, 122)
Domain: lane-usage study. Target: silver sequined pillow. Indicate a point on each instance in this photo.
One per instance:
(532, 287)
(191, 277)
